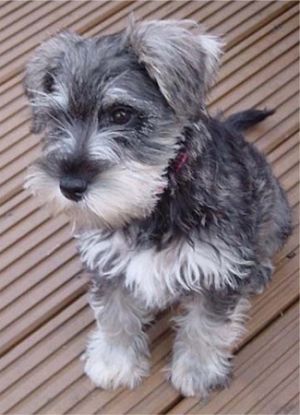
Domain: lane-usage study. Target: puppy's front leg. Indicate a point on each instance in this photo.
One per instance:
(117, 352)
(206, 331)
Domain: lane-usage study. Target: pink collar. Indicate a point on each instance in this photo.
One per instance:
(180, 161)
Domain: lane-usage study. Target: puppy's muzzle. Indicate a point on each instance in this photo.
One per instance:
(73, 188)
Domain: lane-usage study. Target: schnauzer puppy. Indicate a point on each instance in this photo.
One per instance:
(169, 204)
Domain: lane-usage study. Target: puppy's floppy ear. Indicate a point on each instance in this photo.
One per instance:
(183, 64)
(40, 76)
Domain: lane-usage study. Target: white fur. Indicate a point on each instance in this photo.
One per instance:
(103, 146)
(202, 348)
(61, 98)
(156, 277)
(40, 184)
(125, 192)
(111, 364)
(212, 46)
(97, 252)
(117, 353)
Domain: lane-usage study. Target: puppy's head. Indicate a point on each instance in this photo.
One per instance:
(112, 110)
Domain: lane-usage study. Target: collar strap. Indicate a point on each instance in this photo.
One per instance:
(180, 161)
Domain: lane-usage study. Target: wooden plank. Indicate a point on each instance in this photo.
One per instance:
(55, 340)
(267, 379)
(287, 123)
(5, 208)
(283, 148)
(35, 11)
(25, 260)
(290, 158)
(257, 66)
(142, 10)
(290, 91)
(294, 195)
(12, 137)
(9, 111)
(275, 24)
(237, 13)
(10, 9)
(14, 152)
(10, 125)
(242, 54)
(25, 348)
(278, 396)
(60, 264)
(41, 313)
(57, 11)
(31, 240)
(292, 407)
(74, 15)
(34, 220)
(52, 281)
(19, 207)
(258, 21)
(10, 91)
(291, 177)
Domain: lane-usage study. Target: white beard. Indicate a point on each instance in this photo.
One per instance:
(121, 194)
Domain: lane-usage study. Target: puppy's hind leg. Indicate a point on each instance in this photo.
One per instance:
(206, 332)
(117, 352)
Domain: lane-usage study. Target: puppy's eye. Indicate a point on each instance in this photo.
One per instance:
(121, 116)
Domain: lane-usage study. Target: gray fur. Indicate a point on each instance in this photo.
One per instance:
(179, 62)
(151, 229)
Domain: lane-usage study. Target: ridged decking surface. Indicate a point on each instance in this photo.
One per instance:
(44, 317)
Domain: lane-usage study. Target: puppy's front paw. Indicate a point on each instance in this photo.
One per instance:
(191, 378)
(110, 366)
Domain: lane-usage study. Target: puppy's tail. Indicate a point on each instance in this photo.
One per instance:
(243, 120)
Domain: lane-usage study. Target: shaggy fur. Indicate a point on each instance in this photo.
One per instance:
(168, 203)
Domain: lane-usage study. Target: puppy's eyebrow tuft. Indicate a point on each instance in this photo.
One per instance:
(120, 97)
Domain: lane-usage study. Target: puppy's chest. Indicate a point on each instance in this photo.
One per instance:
(145, 272)
(155, 277)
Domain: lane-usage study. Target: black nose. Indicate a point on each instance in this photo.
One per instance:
(73, 188)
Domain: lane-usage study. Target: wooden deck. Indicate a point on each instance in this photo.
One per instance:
(44, 317)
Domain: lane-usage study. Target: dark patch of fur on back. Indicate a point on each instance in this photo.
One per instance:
(201, 195)
(215, 191)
